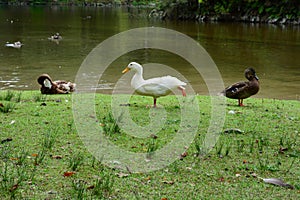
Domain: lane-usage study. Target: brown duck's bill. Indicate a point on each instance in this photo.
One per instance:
(125, 70)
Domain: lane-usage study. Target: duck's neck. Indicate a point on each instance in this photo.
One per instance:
(137, 79)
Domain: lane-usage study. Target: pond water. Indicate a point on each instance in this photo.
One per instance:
(271, 49)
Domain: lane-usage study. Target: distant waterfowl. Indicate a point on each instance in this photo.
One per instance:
(155, 87)
(244, 89)
(16, 45)
(54, 87)
(55, 38)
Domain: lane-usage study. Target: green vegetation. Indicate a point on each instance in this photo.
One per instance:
(42, 157)
(246, 10)
(266, 11)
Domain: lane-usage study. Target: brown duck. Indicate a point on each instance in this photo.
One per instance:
(54, 87)
(244, 89)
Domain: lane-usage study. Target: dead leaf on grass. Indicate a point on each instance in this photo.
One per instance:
(14, 187)
(233, 130)
(67, 174)
(125, 104)
(6, 140)
(56, 157)
(122, 175)
(183, 155)
(90, 187)
(221, 179)
(283, 149)
(168, 182)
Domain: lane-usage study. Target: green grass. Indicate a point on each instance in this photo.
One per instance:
(42, 156)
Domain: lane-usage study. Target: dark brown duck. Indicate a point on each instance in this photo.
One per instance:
(244, 89)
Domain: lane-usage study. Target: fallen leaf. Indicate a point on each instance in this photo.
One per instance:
(122, 175)
(67, 174)
(276, 181)
(14, 158)
(90, 187)
(221, 179)
(125, 104)
(153, 136)
(56, 157)
(6, 140)
(282, 149)
(34, 155)
(164, 198)
(183, 155)
(238, 175)
(14, 187)
(168, 182)
(233, 130)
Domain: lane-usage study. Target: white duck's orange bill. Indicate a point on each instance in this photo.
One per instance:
(125, 70)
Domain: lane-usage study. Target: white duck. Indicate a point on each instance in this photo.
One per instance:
(16, 45)
(155, 87)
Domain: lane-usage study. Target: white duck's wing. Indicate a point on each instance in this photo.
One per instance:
(152, 89)
(157, 87)
(9, 45)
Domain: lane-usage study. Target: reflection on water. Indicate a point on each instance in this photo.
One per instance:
(272, 50)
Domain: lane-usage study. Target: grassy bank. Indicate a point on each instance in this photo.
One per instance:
(42, 157)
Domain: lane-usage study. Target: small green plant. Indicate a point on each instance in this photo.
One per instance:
(199, 144)
(49, 139)
(240, 145)
(265, 165)
(151, 148)
(288, 141)
(103, 185)
(18, 97)
(262, 143)
(75, 161)
(219, 148)
(12, 176)
(9, 107)
(227, 149)
(40, 98)
(21, 157)
(9, 95)
(111, 124)
(79, 188)
(39, 157)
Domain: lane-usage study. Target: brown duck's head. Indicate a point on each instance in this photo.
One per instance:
(250, 74)
(42, 78)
